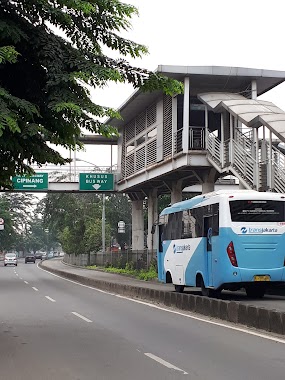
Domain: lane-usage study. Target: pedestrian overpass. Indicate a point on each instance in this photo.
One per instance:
(217, 128)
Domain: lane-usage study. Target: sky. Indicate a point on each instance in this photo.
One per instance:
(244, 33)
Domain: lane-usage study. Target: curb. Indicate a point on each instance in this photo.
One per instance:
(231, 311)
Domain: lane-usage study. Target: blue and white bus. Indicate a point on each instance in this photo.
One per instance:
(223, 240)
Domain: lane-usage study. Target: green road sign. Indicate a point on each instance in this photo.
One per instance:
(96, 181)
(35, 182)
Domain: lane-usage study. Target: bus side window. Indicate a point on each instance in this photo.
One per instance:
(215, 224)
(198, 217)
(215, 221)
(160, 237)
(187, 225)
(178, 230)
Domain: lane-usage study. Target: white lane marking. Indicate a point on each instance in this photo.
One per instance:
(81, 316)
(21, 278)
(77, 283)
(35, 289)
(165, 363)
(191, 316)
(50, 299)
(201, 319)
(26, 282)
(17, 274)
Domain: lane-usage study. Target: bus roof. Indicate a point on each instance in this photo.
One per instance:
(242, 193)
(179, 206)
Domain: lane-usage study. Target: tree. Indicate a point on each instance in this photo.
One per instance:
(17, 210)
(44, 78)
(72, 217)
(118, 207)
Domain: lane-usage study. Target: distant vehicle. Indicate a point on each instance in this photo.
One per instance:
(10, 259)
(223, 240)
(50, 255)
(39, 255)
(30, 258)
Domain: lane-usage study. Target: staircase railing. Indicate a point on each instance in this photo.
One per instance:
(275, 162)
(214, 148)
(233, 155)
(244, 164)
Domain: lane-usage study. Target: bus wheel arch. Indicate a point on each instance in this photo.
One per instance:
(206, 292)
(168, 278)
(199, 280)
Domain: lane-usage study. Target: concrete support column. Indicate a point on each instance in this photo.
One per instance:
(207, 187)
(253, 89)
(209, 179)
(186, 111)
(137, 225)
(176, 192)
(152, 215)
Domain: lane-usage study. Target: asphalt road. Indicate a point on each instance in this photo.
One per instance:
(55, 329)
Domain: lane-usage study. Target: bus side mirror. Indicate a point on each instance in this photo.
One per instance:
(153, 229)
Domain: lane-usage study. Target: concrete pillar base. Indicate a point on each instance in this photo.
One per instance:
(176, 192)
(137, 225)
(152, 218)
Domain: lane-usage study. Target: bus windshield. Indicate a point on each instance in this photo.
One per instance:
(257, 211)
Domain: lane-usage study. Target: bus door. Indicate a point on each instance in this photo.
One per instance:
(208, 231)
(160, 256)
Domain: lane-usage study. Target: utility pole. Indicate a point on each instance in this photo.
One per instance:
(103, 223)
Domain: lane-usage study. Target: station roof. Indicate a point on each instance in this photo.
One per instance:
(202, 79)
(251, 112)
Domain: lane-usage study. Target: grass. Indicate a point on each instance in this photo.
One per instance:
(142, 274)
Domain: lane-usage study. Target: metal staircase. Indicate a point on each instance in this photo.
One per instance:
(237, 156)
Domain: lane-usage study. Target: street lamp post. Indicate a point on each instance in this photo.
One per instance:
(103, 208)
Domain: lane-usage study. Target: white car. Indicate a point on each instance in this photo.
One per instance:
(10, 259)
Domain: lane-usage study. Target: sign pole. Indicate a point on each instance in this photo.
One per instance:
(103, 223)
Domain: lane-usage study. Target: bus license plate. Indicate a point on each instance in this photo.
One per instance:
(261, 278)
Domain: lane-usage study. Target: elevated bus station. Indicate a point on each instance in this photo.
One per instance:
(217, 128)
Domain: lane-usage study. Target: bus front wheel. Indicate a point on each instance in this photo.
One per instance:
(255, 291)
(179, 288)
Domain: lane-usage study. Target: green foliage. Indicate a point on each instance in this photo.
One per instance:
(76, 220)
(143, 274)
(93, 235)
(8, 54)
(149, 274)
(118, 207)
(44, 78)
(23, 228)
(67, 240)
